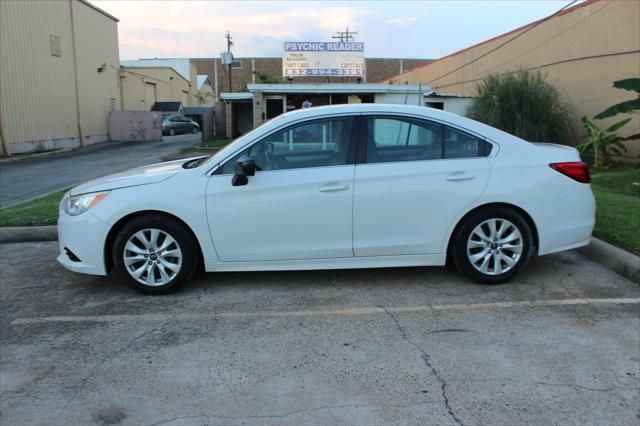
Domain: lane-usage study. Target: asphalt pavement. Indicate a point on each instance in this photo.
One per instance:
(24, 179)
(559, 345)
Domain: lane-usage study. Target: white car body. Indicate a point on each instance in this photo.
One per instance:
(347, 216)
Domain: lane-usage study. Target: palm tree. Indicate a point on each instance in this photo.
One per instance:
(526, 105)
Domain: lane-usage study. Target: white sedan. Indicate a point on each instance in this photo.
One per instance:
(349, 186)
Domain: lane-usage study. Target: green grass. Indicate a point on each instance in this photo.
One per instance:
(41, 211)
(617, 195)
(215, 144)
(206, 148)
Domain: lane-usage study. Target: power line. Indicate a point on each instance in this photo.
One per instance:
(506, 42)
(554, 37)
(344, 36)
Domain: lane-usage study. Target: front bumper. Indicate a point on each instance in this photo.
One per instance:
(84, 237)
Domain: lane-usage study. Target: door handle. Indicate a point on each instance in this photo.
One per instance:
(459, 176)
(334, 188)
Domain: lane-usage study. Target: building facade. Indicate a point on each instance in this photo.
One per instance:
(58, 74)
(581, 50)
(206, 96)
(141, 87)
(247, 110)
(171, 79)
(242, 70)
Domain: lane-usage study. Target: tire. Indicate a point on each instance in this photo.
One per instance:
(173, 267)
(172, 131)
(489, 257)
(194, 130)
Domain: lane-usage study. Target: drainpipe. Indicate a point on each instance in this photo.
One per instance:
(75, 72)
(121, 77)
(5, 143)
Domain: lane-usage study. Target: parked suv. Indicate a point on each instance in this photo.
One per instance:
(175, 124)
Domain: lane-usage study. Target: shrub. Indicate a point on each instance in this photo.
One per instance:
(526, 105)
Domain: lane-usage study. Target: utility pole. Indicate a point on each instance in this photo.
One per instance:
(229, 44)
(345, 36)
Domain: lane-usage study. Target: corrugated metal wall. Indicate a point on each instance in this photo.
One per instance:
(170, 86)
(582, 52)
(37, 90)
(96, 44)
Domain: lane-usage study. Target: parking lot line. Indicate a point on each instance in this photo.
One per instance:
(373, 310)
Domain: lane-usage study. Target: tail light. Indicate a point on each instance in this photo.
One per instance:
(576, 170)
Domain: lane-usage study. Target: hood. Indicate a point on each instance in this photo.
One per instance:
(144, 175)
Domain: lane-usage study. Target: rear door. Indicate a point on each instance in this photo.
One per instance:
(412, 180)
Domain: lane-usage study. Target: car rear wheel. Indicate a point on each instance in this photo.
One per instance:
(154, 254)
(492, 245)
(172, 131)
(194, 130)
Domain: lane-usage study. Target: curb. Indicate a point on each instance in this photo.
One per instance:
(621, 261)
(24, 234)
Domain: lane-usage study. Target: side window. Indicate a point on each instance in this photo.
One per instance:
(393, 139)
(459, 144)
(318, 143)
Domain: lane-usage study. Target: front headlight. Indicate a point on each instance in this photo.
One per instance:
(74, 206)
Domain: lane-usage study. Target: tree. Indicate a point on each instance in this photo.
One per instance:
(261, 78)
(603, 143)
(264, 78)
(631, 84)
(526, 105)
(626, 107)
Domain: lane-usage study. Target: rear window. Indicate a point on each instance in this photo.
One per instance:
(393, 139)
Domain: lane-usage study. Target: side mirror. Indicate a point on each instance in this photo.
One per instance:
(245, 166)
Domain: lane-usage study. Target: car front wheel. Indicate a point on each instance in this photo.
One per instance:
(194, 130)
(492, 245)
(172, 131)
(154, 254)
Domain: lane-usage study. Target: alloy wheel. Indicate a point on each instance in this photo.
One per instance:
(495, 246)
(152, 257)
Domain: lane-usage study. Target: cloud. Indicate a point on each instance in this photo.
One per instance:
(402, 22)
(196, 29)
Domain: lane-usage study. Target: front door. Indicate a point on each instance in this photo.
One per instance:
(298, 206)
(417, 178)
(274, 105)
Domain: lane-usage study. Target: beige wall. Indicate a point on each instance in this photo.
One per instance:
(98, 90)
(582, 52)
(206, 96)
(38, 96)
(169, 86)
(193, 88)
(137, 82)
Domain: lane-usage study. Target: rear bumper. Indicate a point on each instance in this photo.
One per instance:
(564, 224)
(84, 236)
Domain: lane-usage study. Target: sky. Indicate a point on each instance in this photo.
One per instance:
(407, 29)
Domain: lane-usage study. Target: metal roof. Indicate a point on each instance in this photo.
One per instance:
(236, 96)
(97, 9)
(196, 110)
(181, 66)
(436, 94)
(337, 88)
(169, 106)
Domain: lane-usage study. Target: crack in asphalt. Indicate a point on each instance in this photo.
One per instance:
(427, 361)
(426, 358)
